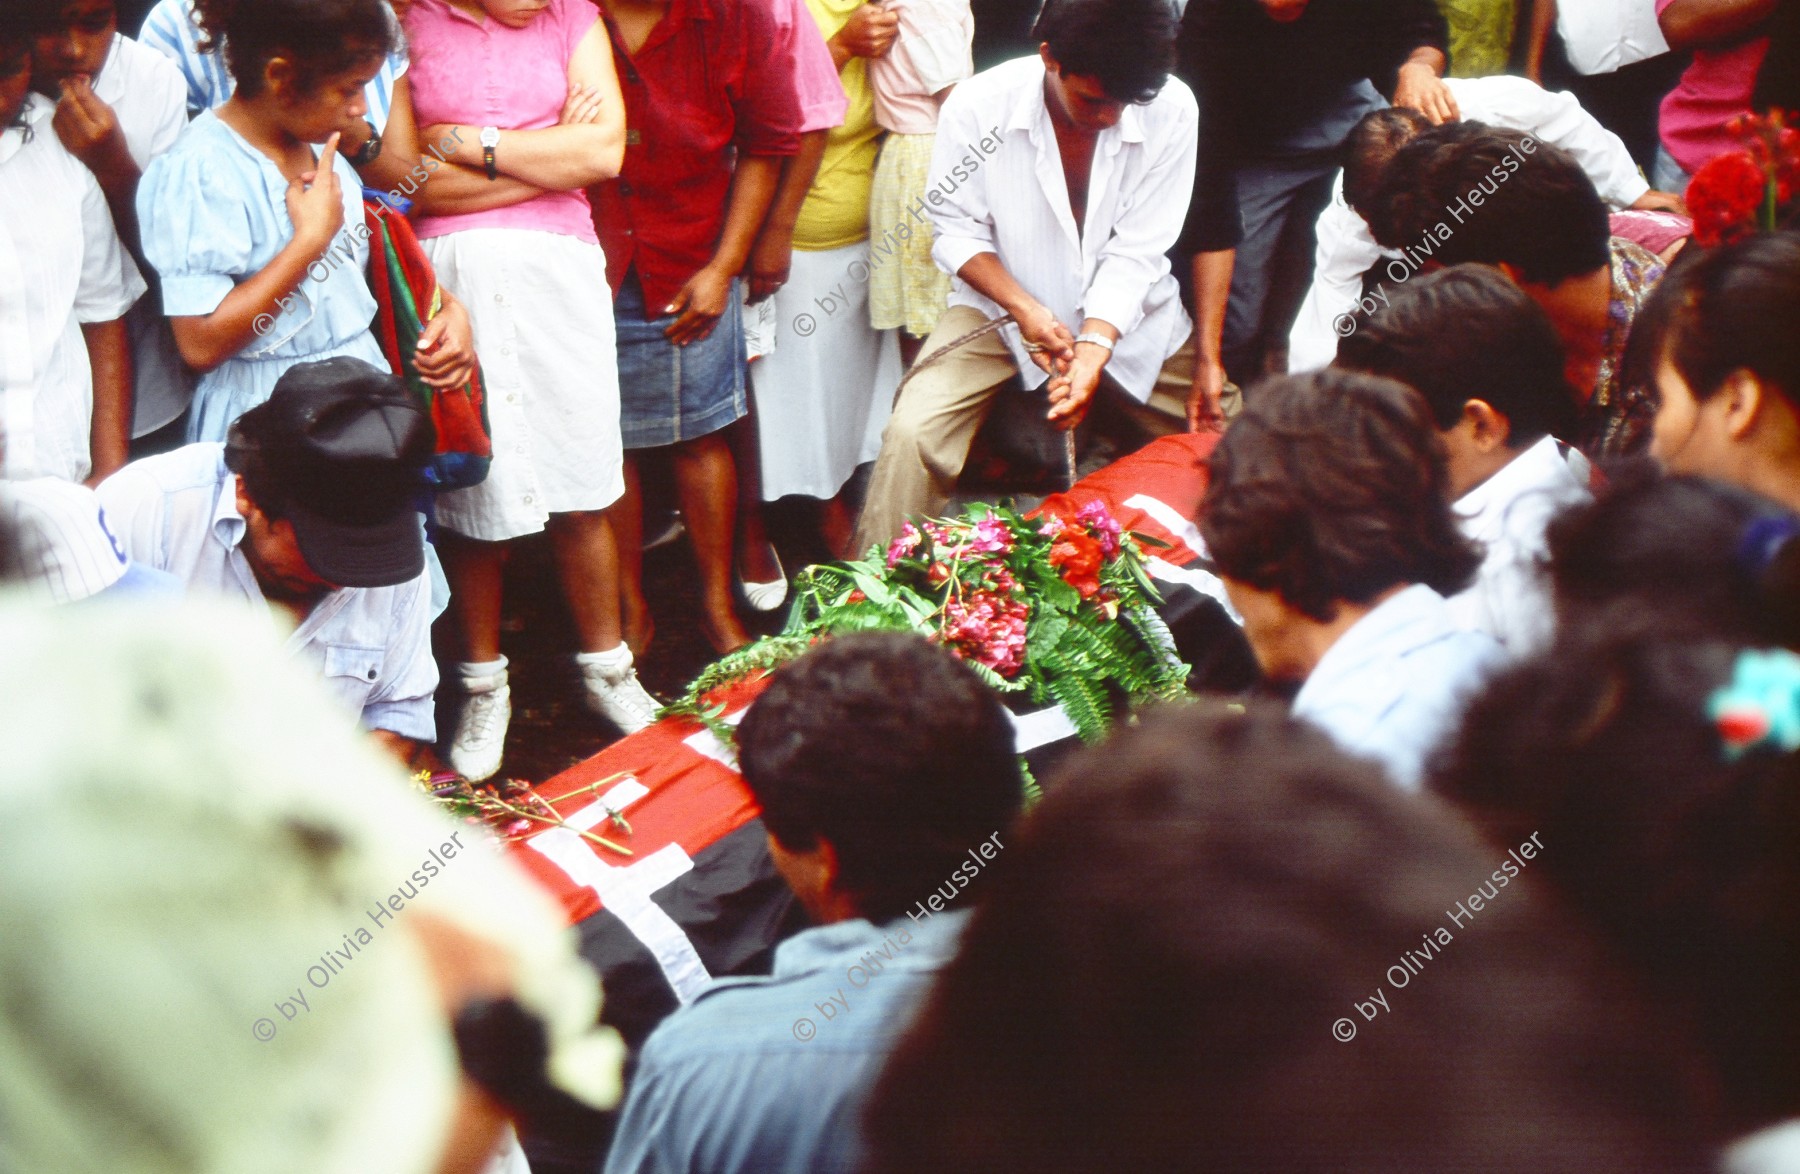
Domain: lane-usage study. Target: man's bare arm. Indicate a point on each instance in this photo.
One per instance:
(1039, 327)
(1687, 23)
(109, 354)
(1212, 290)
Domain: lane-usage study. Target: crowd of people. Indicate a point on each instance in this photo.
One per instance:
(317, 308)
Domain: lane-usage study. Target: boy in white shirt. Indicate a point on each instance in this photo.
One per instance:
(1488, 362)
(65, 284)
(1328, 519)
(119, 104)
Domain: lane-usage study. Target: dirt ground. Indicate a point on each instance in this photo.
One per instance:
(552, 729)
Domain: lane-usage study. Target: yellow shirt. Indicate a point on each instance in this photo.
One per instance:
(836, 211)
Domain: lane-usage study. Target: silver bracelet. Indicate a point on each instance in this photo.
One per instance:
(1095, 337)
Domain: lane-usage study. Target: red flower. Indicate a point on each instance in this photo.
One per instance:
(1078, 556)
(1725, 197)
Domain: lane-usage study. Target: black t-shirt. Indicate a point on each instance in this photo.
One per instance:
(1259, 81)
(1003, 30)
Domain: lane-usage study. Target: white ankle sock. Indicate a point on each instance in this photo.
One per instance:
(612, 661)
(478, 673)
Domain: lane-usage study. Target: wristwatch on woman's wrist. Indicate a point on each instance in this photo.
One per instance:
(490, 138)
(370, 150)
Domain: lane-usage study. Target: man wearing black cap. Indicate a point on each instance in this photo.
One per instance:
(309, 508)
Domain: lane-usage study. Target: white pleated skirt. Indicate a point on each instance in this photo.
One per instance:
(542, 314)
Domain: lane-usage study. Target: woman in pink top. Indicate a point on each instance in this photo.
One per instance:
(527, 90)
(1729, 39)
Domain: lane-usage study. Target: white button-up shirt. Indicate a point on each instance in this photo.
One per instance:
(1508, 514)
(1394, 686)
(1601, 36)
(997, 187)
(147, 94)
(1346, 250)
(61, 266)
(178, 513)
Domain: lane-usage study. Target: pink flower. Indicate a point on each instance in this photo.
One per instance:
(1095, 517)
(991, 537)
(988, 629)
(903, 545)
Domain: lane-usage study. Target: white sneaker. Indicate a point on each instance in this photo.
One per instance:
(481, 729)
(614, 693)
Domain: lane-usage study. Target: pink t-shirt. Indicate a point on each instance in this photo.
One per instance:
(1713, 90)
(931, 52)
(822, 101)
(482, 73)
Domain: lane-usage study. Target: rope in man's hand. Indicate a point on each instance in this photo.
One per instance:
(986, 328)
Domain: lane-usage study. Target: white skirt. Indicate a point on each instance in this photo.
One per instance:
(823, 396)
(542, 314)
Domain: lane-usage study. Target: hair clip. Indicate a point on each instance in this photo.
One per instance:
(1760, 708)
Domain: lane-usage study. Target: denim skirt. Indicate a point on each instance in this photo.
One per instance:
(670, 393)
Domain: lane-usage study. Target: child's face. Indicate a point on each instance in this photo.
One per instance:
(74, 41)
(515, 13)
(15, 80)
(334, 104)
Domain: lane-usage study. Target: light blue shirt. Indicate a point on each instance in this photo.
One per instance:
(768, 1075)
(170, 29)
(1394, 686)
(372, 645)
(213, 213)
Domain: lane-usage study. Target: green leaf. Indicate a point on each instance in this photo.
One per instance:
(877, 591)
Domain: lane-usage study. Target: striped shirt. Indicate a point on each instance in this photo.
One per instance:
(61, 549)
(172, 30)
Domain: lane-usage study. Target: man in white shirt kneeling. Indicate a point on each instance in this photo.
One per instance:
(1058, 183)
(309, 508)
(1488, 362)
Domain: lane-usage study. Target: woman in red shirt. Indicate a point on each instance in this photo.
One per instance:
(699, 77)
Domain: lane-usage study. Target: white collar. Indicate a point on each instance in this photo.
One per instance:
(228, 526)
(1409, 619)
(1541, 471)
(1030, 114)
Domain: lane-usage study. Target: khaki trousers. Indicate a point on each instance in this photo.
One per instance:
(941, 408)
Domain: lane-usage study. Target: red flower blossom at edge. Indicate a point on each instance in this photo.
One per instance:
(1078, 557)
(1725, 197)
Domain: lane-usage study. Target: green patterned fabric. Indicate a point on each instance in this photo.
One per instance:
(1481, 34)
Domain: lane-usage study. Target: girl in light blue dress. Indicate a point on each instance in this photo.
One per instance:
(259, 236)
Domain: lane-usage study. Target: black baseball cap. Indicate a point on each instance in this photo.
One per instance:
(340, 447)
